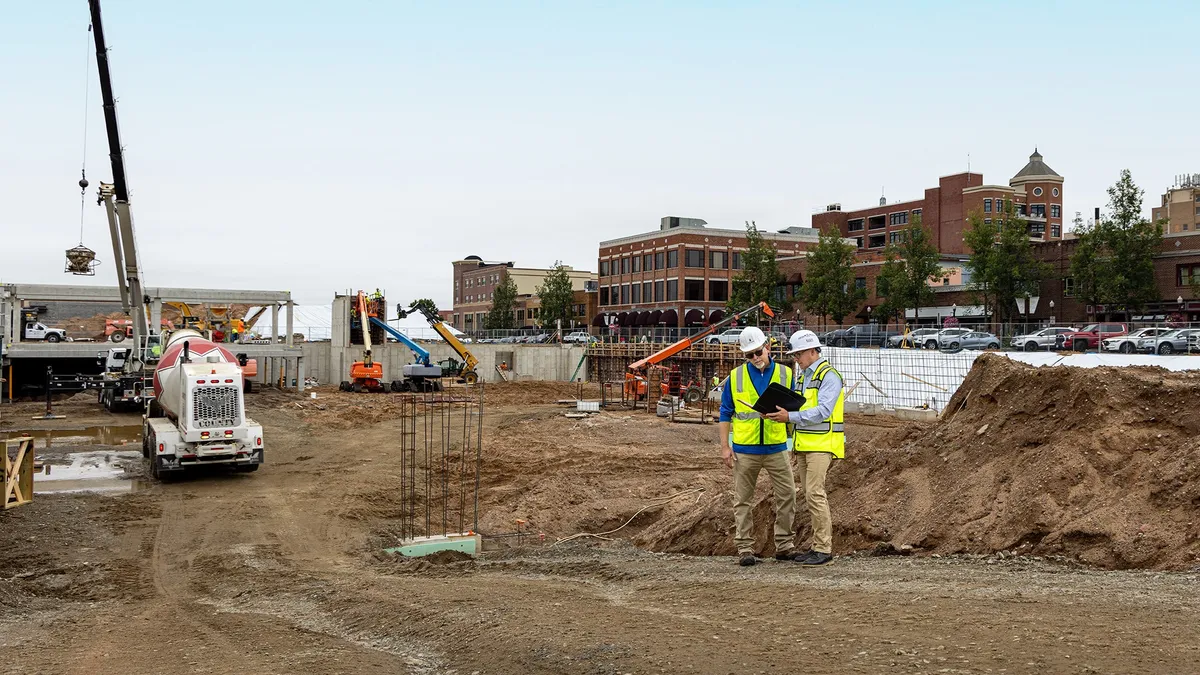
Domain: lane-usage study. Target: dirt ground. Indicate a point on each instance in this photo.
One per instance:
(280, 571)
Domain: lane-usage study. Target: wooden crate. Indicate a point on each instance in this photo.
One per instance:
(18, 472)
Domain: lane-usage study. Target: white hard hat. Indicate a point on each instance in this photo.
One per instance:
(752, 338)
(803, 339)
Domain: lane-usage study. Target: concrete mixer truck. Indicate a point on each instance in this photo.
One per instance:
(198, 417)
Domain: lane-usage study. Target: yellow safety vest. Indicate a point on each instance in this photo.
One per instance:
(749, 427)
(829, 435)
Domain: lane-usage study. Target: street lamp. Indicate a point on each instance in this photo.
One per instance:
(868, 314)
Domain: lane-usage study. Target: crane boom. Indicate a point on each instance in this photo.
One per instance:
(672, 350)
(115, 197)
(365, 319)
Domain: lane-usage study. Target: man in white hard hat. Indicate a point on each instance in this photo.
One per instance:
(819, 437)
(757, 443)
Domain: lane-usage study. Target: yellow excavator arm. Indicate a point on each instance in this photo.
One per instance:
(469, 360)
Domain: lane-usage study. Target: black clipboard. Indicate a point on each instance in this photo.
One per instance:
(778, 396)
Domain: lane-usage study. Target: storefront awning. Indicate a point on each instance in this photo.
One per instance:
(670, 318)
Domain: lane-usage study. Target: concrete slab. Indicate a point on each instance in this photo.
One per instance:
(465, 542)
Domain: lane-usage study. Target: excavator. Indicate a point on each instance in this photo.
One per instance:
(635, 379)
(466, 371)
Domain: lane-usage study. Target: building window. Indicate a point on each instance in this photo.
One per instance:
(987, 206)
(945, 281)
(1185, 225)
(647, 262)
(896, 237)
(717, 260)
(900, 218)
(658, 291)
(694, 258)
(693, 289)
(614, 297)
(859, 241)
(604, 295)
(737, 261)
(624, 294)
(1187, 275)
(987, 221)
(916, 213)
(635, 294)
(860, 283)
(1054, 192)
(672, 259)
(876, 241)
(1022, 209)
(1037, 192)
(855, 225)
(1069, 287)
(1037, 229)
(672, 290)
(1055, 211)
(1056, 230)
(718, 290)
(646, 291)
(876, 222)
(520, 316)
(603, 268)
(1037, 210)
(635, 264)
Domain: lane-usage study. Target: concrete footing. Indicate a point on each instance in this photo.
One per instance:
(465, 542)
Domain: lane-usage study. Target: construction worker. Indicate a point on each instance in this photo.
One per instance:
(757, 444)
(239, 327)
(820, 437)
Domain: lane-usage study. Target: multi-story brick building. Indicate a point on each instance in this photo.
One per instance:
(679, 274)
(1035, 191)
(476, 280)
(1180, 205)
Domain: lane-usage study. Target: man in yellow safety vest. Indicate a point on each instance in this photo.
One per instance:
(820, 437)
(757, 443)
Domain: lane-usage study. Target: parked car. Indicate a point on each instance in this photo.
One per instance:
(921, 337)
(1089, 336)
(863, 335)
(580, 336)
(729, 337)
(1043, 339)
(968, 340)
(946, 335)
(1128, 344)
(1170, 342)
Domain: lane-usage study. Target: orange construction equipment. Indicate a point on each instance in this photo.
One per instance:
(366, 375)
(635, 379)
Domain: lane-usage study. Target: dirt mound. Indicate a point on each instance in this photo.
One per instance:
(1100, 464)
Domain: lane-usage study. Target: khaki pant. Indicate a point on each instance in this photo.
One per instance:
(746, 468)
(811, 468)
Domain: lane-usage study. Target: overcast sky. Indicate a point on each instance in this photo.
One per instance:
(315, 147)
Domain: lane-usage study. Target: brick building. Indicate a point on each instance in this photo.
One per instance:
(476, 280)
(1180, 205)
(679, 274)
(1035, 191)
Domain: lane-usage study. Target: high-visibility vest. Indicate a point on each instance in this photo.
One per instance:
(749, 427)
(828, 435)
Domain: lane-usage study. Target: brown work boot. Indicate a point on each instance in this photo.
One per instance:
(791, 555)
(747, 559)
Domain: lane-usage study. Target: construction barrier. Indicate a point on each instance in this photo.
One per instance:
(18, 471)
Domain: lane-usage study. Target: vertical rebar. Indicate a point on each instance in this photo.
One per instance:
(478, 454)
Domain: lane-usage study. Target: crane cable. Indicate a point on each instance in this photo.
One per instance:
(87, 81)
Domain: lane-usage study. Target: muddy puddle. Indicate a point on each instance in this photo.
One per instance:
(99, 471)
(49, 439)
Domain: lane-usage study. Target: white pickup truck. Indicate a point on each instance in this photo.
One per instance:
(36, 330)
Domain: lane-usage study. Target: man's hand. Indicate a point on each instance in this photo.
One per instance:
(727, 456)
(780, 415)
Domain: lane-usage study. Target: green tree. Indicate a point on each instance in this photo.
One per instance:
(759, 279)
(557, 297)
(1002, 266)
(1113, 262)
(504, 301)
(829, 288)
(908, 267)
(424, 305)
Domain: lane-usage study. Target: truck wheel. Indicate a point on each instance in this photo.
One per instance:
(117, 337)
(1031, 346)
(343, 386)
(356, 387)
(470, 377)
(248, 386)
(1080, 345)
(53, 337)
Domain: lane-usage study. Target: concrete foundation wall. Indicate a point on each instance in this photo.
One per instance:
(330, 364)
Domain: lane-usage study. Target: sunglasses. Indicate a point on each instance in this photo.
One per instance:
(755, 353)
